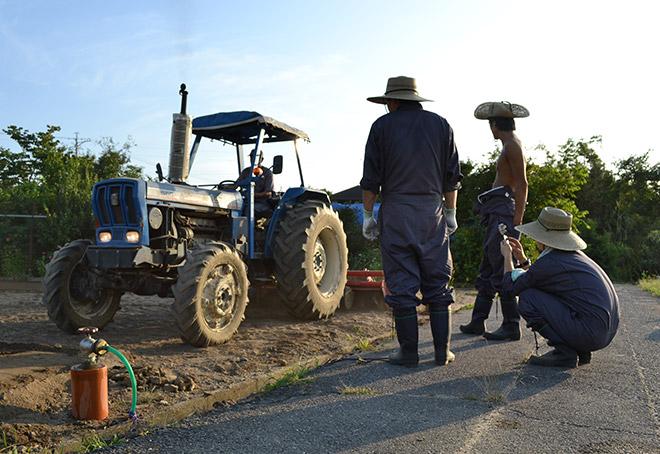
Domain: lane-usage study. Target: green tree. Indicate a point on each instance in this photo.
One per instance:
(596, 195)
(638, 201)
(115, 160)
(46, 177)
(555, 182)
(466, 243)
(362, 253)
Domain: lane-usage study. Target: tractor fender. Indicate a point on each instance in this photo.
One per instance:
(291, 198)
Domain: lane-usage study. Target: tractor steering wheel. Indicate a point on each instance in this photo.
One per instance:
(225, 182)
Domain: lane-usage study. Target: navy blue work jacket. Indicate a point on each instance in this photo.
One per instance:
(411, 152)
(574, 280)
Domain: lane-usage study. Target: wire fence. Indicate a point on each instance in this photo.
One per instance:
(18, 257)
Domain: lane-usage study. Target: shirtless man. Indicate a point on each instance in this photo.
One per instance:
(503, 204)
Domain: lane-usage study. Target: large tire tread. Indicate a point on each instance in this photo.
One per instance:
(294, 245)
(57, 298)
(187, 305)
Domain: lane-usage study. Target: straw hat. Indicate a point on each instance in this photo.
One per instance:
(401, 87)
(553, 227)
(500, 109)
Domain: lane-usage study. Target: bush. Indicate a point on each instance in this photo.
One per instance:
(650, 253)
(39, 265)
(618, 260)
(13, 262)
(650, 284)
(467, 251)
(362, 253)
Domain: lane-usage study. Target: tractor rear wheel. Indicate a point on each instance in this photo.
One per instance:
(311, 260)
(210, 295)
(71, 293)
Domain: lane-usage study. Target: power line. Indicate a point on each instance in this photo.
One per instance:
(78, 141)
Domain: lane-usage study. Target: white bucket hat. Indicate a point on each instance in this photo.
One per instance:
(401, 87)
(553, 228)
(500, 109)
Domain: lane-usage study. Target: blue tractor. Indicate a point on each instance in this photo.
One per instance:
(203, 246)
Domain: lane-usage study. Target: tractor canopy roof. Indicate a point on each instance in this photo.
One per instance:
(242, 127)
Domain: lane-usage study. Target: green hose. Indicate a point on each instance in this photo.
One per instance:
(131, 374)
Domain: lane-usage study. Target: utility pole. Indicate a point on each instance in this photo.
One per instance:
(79, 143)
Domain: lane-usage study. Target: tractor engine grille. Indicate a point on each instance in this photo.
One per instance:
(114, 204)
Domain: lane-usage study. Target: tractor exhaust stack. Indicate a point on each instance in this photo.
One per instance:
(180, 142)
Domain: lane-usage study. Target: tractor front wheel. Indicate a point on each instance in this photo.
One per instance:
(210, 295)
(71, 291)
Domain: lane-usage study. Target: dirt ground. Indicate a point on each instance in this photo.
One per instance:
(36, 357)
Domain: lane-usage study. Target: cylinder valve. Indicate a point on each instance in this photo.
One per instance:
(91, 348)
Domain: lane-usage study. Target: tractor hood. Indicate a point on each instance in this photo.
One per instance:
(120, 201)
(187, 196)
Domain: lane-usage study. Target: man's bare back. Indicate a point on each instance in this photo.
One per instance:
(505, 174)
(511, 170)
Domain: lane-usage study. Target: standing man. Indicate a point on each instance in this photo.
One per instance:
(564, 296)
(503, 204)
(411, 159)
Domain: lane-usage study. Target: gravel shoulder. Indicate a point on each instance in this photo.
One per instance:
(174, 379)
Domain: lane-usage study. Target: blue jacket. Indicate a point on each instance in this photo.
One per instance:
(411, 153)
(574, 280)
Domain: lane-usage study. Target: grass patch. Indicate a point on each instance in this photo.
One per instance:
(146, 397)
(94, 442)
(6, 445)
(363, 345)
(356, 390)
(650, 285)
(360, 343)
(296, 375)
(492, 387)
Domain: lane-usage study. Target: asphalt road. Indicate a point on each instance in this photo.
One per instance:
(488, 401)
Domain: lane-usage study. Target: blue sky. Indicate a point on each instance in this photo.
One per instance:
(113, 69)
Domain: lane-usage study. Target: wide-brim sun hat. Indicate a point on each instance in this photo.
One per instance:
(553, 228)
(504, 109)
(401, 87)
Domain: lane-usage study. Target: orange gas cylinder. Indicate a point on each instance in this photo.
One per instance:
(89, 392)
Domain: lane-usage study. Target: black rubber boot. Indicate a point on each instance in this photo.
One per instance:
(561, 356)
(440, 317)
(510, 329)
(405, 321)
(584, 357)
(477, 325)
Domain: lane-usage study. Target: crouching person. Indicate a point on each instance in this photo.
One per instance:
(564, 296)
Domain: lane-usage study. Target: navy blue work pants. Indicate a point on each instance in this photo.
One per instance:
(496, 208)
(579, 332)
(415, 250)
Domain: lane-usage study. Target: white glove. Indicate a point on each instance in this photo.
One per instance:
(369, 229)
(450, 217)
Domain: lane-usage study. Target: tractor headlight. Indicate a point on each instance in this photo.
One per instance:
(132, 236)
(105, 237)
(155, 218)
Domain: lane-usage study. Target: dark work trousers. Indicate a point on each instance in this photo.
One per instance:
(578, 330)
(415, 248)
(496, 206)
